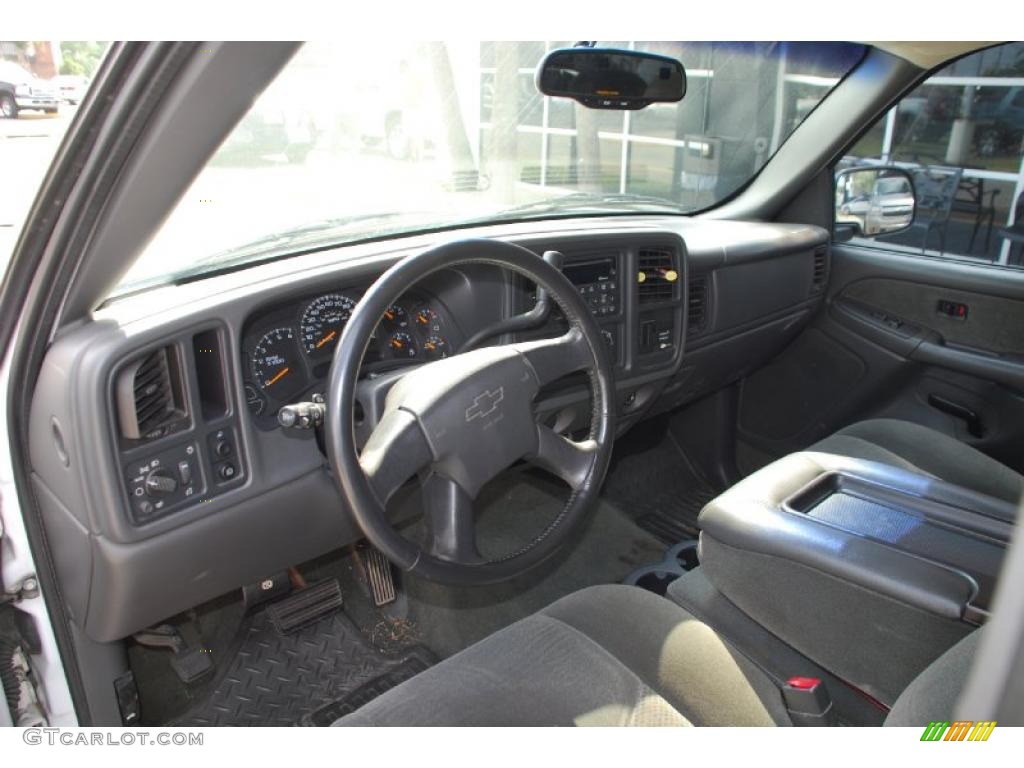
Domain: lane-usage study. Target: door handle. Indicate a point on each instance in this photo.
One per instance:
(968, 415)
(1001, 368)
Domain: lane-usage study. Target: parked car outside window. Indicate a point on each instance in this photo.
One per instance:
(20, 89)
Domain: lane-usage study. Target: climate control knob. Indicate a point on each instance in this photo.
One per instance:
(160, 482)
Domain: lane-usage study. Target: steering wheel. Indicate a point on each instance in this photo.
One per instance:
(460, 421)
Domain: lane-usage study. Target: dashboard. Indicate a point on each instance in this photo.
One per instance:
(165, 479)
(287, 349)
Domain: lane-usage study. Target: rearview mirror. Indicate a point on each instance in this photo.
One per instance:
(608, 78)
(874, 201)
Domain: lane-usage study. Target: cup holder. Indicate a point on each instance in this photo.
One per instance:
(685, 553)
(656, 578)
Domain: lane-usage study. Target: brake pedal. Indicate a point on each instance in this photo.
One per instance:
(305, 606)
(380, 578)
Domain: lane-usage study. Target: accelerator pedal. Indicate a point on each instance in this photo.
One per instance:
(380, 578)
(305, 606)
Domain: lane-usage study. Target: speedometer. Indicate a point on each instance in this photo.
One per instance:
(323, 322)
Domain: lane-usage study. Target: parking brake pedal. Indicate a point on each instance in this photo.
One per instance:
(190, 663)
(305, 606)
(380, 578)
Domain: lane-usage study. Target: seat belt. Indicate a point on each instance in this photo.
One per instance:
(808, 702)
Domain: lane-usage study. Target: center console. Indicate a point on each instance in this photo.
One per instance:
(868, 570)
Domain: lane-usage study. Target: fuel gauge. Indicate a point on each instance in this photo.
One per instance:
(400, 346)
(395, 316)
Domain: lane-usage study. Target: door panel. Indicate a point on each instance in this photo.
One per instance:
(883, 346)
(988, 323)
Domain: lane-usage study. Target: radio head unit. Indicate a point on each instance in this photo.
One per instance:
(597, 280)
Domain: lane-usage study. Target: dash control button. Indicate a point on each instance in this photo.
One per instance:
(226, 471)
(185, 472)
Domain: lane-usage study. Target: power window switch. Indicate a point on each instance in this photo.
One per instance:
(955, 310)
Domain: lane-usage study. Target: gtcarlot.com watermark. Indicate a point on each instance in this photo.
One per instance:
(70, 737)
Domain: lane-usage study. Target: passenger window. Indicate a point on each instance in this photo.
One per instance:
(960, 134)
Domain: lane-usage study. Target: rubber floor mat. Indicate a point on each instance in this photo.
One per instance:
(367, 692)
(282, 680)
(659, 489)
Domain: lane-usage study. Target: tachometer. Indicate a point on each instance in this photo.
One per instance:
(276, 366)
(323, 322)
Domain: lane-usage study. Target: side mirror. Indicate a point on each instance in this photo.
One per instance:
(877, 200)
(609, 78)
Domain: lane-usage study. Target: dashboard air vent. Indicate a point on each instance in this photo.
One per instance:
(697, 305)
(149, 395)
(657, 275)
(820, 275)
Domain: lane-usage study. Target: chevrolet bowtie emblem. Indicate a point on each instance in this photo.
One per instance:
(485, 403)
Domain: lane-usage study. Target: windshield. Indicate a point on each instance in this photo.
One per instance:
(356, 142)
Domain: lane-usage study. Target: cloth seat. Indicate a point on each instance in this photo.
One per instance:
(615, 655)
(922, 449)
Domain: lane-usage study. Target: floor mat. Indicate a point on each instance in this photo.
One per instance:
(367, 692)
(275, 680)
(653, 481)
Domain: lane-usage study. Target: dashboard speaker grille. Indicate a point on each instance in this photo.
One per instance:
(658, 275)
(697, 305)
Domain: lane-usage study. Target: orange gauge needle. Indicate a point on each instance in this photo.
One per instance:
(396, 344)
(278, 376)
(430, 346)
(389, 315)
(326, 338)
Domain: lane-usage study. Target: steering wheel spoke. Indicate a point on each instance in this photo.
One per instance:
(551, 359)
(467, 417)
(395, 450)
(450, 529)
(565, 458)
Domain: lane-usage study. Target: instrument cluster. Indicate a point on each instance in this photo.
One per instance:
(287, 352)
